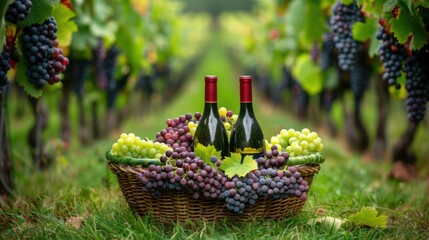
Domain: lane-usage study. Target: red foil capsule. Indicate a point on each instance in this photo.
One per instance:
(245, 89)
(211, 89)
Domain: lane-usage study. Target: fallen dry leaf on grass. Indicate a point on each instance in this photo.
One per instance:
(76, 222)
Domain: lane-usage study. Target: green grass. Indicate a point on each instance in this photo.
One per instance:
(81, 185)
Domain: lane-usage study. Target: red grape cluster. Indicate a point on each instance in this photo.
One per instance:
(184, 171)
(177, 134)
(273, 158)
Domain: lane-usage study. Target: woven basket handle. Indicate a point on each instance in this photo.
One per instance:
(315, 158)
(126, 160)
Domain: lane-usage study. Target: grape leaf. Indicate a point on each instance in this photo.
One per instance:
(365, 30)
(22, 79)
(374, 45)
(65, 27)
(367, 216)
(104, 29)
(373, 8)
(40, 11)
(409, 24)
(347, 2)
(308, 74)
(313, 14)
(409, 4)
(205, 153)
(295, 15)
(389, 5)
(232, 165)
(128, 45)
(2, 35)
(105, 11)
(422, 3)
(83, 40)
(3, 8)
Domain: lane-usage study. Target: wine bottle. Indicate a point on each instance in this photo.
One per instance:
(210, 129)
(246, 136)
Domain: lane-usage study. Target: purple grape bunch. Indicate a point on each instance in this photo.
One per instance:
(177, 134)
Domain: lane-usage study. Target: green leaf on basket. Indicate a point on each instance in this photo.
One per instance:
(367, 216)
(232, 165)
(205, 153)
(328, 222)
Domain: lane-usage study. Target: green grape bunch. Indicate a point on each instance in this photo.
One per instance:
(133, 146)
(296, 143)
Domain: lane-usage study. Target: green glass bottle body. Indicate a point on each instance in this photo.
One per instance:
(246, 136)
(210, 129)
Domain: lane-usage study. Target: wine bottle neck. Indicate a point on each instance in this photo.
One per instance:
(210, 108)
(246, 92)
(246, 108)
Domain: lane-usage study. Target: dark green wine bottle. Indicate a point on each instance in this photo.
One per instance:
(210, 129)
(246, 136)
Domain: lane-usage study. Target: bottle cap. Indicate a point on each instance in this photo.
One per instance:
(210, 89)
(211, 78)
(245, 89)
(245, 79)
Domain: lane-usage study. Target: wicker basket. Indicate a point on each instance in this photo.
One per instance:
(178, 205)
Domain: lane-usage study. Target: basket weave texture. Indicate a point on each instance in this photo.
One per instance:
(178, 205)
